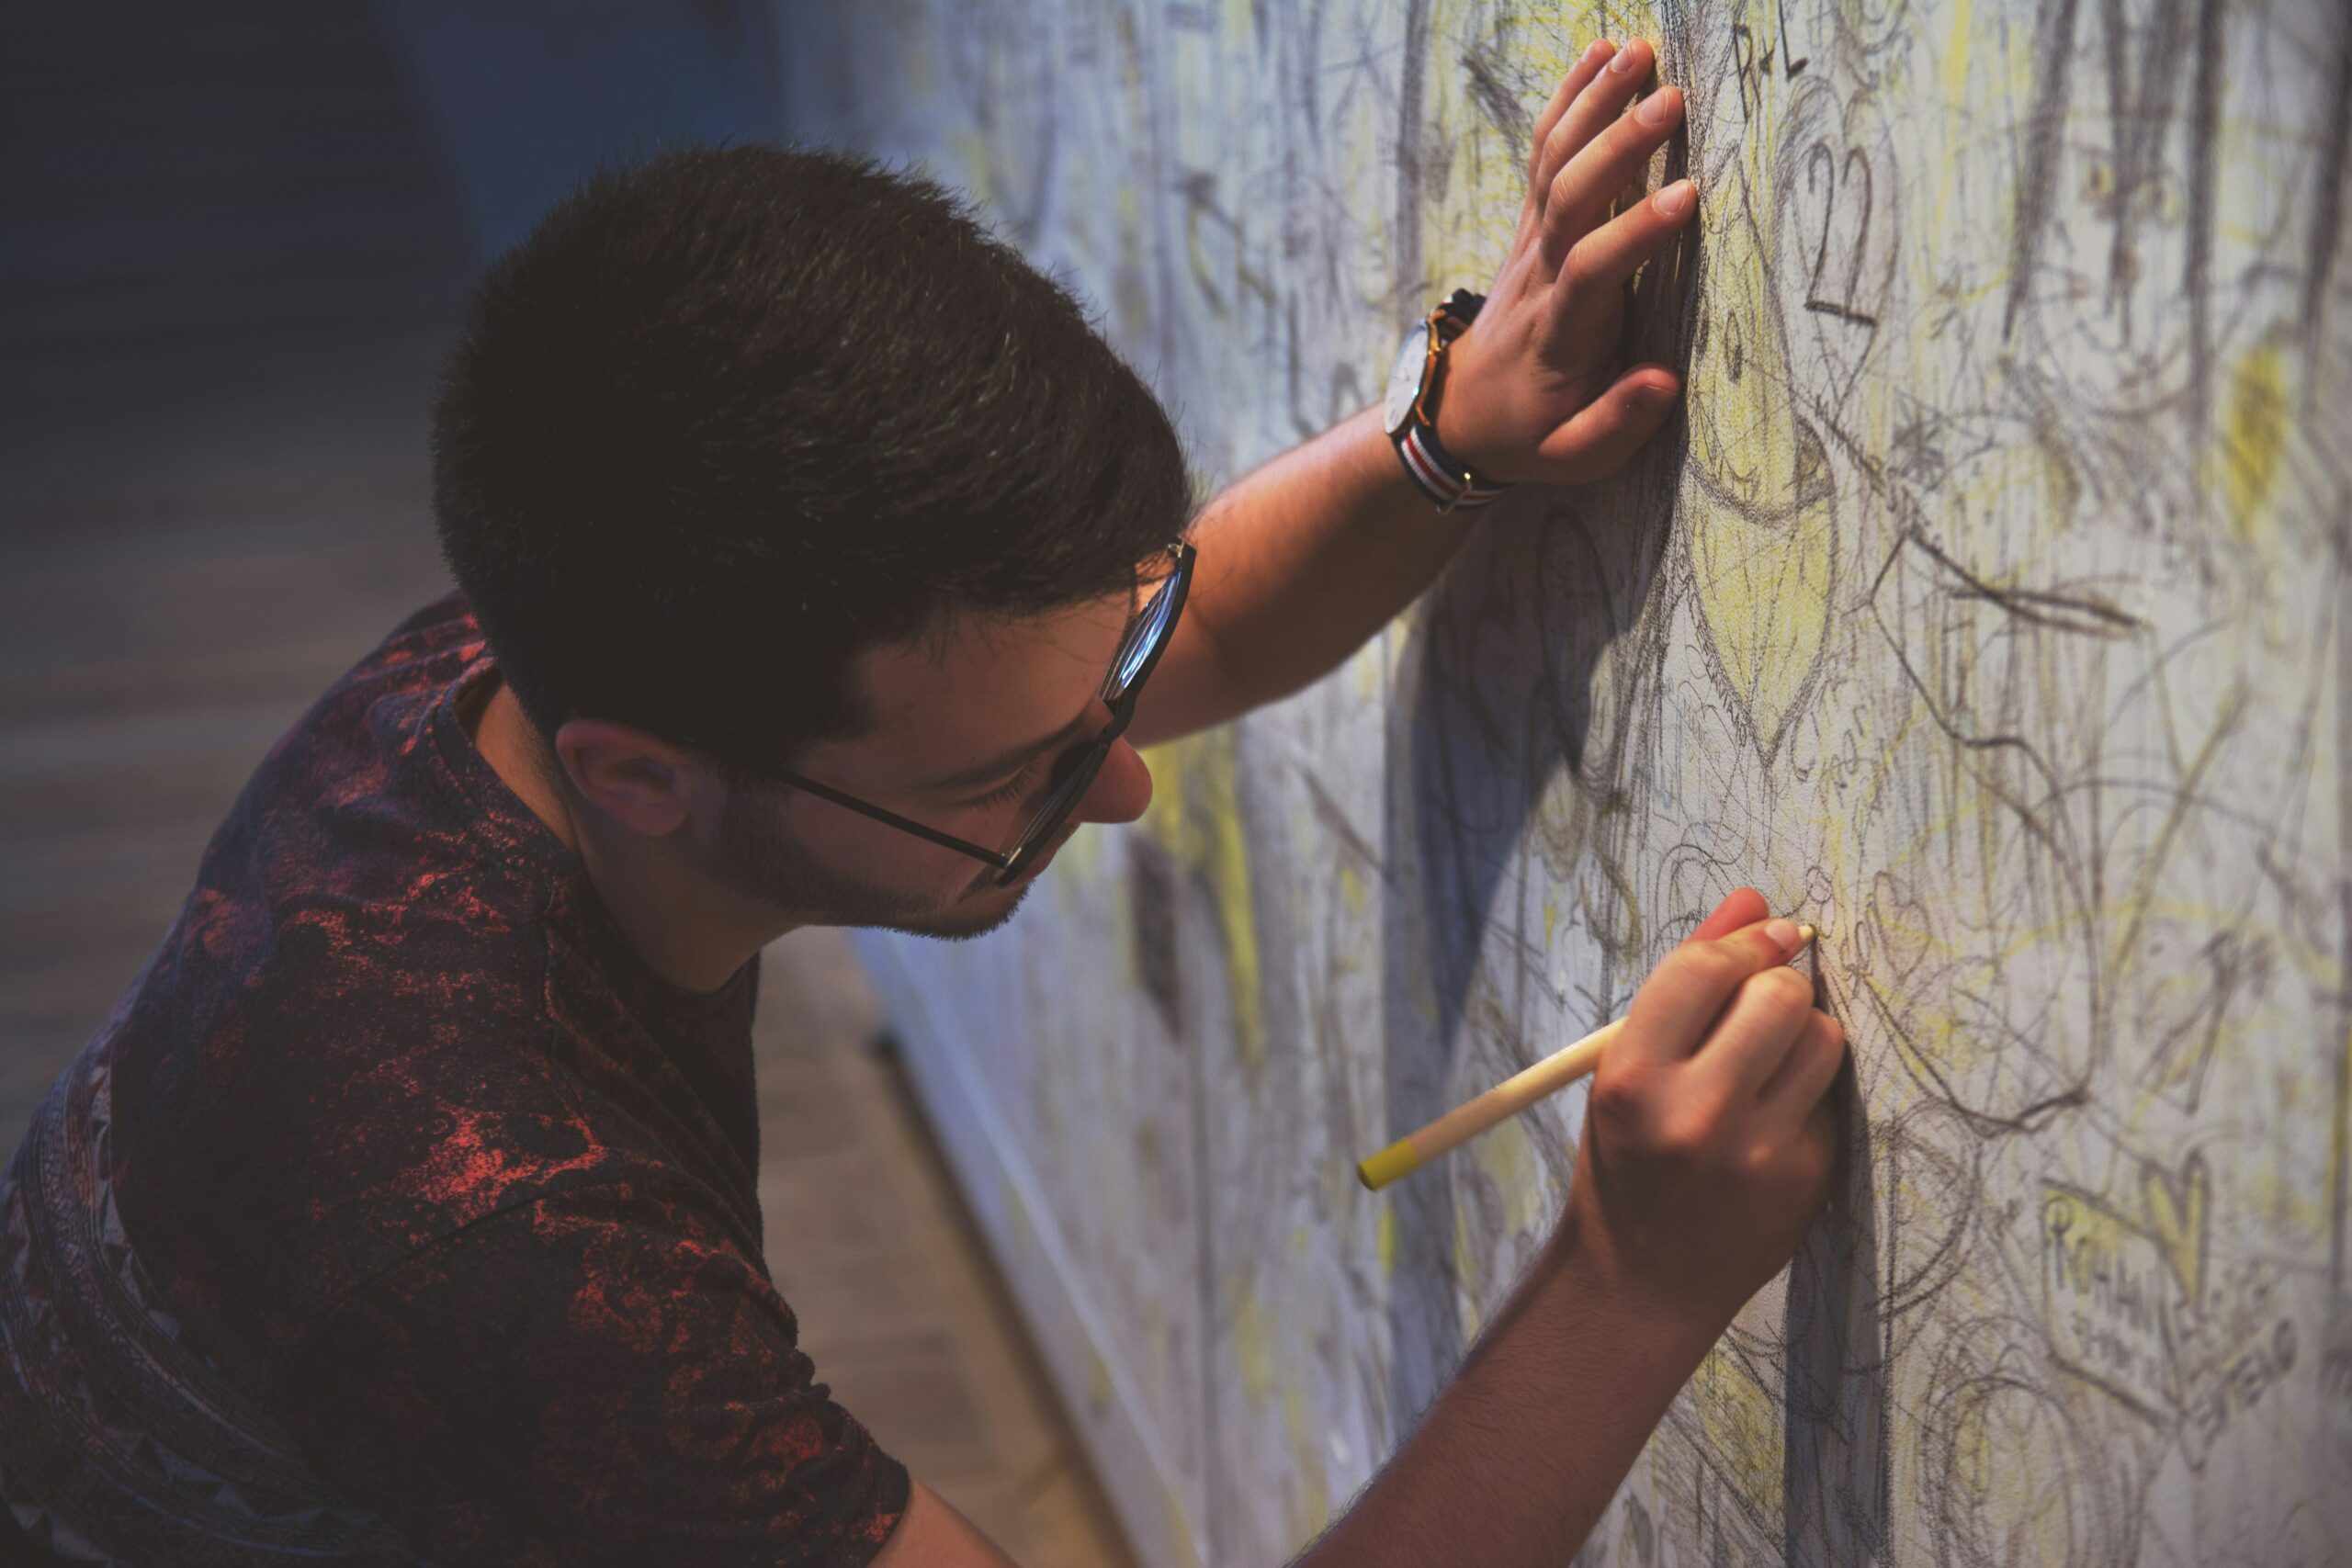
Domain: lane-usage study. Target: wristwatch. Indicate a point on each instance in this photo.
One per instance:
(1415, 384)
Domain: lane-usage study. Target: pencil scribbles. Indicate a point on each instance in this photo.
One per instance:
(1987, 605)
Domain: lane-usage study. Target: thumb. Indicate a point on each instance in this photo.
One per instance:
(1611, 427)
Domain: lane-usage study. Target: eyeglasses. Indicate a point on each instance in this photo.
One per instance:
(1074, 770)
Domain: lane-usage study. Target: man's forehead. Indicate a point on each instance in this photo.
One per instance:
(982, 686)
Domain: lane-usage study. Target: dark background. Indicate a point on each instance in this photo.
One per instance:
(235, 238)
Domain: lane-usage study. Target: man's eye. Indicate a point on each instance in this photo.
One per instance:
(1006, 790)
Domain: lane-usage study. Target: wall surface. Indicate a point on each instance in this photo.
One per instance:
(1988, 611)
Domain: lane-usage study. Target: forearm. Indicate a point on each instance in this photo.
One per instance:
(1514, 1464)
(1302, 561)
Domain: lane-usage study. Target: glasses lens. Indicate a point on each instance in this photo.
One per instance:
(1136, 651)
(1076, 776)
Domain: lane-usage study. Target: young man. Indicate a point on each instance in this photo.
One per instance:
(818, 563)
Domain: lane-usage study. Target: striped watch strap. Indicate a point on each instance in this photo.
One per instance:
(1448, 482)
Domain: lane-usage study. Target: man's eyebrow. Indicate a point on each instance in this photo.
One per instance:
(1005, 764)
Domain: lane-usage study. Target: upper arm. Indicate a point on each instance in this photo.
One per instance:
(1191, 688)
(931, 1534)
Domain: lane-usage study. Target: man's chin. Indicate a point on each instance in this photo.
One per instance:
(984, 907)
(975, 916)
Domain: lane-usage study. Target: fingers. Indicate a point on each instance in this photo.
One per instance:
(1609, 83)
(1582, 190)
(1541, 166)
(1810, 1068)
(1744, 906)
(1611, 427)
(1688, 990)
(1608, 256)
(1756, 1032)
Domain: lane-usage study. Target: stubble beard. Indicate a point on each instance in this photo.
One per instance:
(751, 854)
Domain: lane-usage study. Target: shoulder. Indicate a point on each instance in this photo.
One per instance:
(366, 1087)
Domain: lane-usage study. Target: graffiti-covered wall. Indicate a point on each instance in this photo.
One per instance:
(1987, 609)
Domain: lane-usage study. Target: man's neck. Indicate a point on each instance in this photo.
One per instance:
(666, 914)
(504, 737)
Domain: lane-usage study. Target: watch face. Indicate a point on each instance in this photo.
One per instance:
(1405, 378)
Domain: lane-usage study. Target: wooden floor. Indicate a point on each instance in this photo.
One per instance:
(227, 266)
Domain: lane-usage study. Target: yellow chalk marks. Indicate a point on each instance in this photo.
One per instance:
(1197, 814)
(1467, 1251)
(1508, 1158)
(1385, 1242)
(1484, 180)
(1762, 533)
(1743, 1424)
(1955, 54)
(2253, 435)
(2177, 1216)
(1256, 1352)
(1257, 1358)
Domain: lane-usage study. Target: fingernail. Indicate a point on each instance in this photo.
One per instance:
(1625, 56)
(1675, 200)
(1785, 935)
(1595, 47)
(1659, 107)
(1651, 392)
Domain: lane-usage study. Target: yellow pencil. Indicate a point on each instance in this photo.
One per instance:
(1509, 1097)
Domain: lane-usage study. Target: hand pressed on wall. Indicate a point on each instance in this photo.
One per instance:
(1534, 390)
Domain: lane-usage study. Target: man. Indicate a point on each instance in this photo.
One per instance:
(819, 564)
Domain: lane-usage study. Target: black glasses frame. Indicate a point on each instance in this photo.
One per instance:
(1075, 771)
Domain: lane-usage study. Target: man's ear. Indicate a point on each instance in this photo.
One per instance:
(639, 779)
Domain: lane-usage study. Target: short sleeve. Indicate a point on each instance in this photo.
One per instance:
(589, 1377)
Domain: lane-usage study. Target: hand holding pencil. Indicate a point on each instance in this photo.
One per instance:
(1505, 1099)
(1709, 1136)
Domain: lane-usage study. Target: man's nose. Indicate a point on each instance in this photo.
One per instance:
(1120, 792)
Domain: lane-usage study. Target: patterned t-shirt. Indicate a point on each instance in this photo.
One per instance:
(399, 1213)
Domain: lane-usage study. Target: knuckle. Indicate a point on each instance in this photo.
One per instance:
(1683, 1139)
(1782, 991)
(1619, 1095)
(1577, 267)
(1713, 964)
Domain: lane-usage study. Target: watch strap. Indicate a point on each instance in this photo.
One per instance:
(1449, 483)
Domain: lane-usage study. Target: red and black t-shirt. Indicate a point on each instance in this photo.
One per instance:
(399, 1211)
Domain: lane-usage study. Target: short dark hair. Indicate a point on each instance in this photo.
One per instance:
(729, 416)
